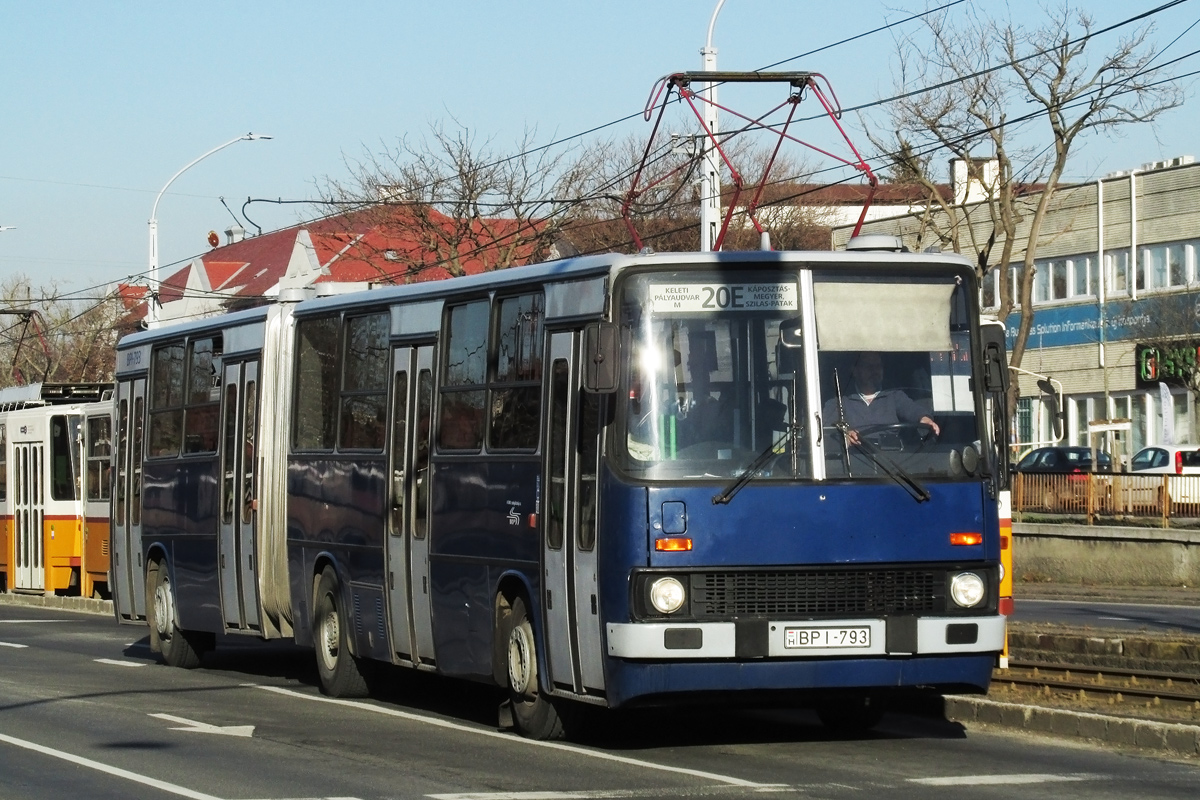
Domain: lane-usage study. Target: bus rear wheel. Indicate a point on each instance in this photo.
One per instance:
(178, 648)
(533, 713)
(340, 672)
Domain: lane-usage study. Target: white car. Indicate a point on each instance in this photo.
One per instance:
(1182, 462)
(1167, 459)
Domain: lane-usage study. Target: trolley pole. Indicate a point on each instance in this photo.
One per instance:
(710, 182)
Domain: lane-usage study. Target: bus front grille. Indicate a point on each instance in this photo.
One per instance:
(817, 593)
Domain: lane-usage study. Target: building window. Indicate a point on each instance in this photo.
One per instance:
(1117, 265)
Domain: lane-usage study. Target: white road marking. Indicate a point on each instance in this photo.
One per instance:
(182, 791)
(118, 662)
(12, 644)
(203, 727)
(1118, 619)
(31, 621)
(1005, 780)
(508, 737)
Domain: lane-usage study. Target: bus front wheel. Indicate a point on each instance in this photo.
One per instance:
(178, 648)
(533, 713)
(340, 672)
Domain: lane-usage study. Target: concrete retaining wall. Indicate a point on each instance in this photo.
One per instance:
(1106, 555)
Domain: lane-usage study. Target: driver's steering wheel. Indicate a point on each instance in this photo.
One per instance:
(922, 431)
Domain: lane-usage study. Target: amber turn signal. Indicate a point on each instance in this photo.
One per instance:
(673, 544)
(966, 538)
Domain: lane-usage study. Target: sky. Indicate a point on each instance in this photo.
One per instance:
(101, 103)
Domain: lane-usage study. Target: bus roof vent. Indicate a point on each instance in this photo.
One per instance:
(875, 241)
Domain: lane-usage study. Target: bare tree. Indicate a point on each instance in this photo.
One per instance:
(1073, 89)
(450, 202)
(47, 338)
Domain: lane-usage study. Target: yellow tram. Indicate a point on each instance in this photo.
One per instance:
(55, 484)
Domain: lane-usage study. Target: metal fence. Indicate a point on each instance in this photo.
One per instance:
(1161, 497)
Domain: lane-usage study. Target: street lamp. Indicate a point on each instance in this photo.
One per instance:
(152, 315)
(710, 183)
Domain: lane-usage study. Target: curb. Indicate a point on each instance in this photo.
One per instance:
(84, 605)
(1168, 737)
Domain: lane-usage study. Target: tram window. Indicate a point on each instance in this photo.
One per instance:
(316, 398)
(364, 383)
(227, 454)
(122, 458)
(556, 513)
(64, 483)
(99, 457)
(516, 382)
(460, 425)
(166, 379)
(420, 517)
(3, 463)
(135, 491)
(203, 397)
(248, 455)
(590, 409)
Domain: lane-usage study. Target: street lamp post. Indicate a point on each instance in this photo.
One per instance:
(710, 183)
(152, 314)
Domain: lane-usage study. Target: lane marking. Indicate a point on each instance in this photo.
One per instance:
(119, 663)
(12, 644)
(1117, 619)
(1006, 780)
(510, 738)
(193, 726)
(182, 791)
(600, 794)
(32, 621)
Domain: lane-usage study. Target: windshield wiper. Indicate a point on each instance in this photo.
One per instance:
(890, 468)
(752, 470)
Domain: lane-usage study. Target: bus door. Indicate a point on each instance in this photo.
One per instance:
(569, 586)
(408, 503)
(128, 576)
(239, 507)
(29, 509)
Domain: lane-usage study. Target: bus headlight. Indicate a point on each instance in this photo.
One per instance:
(667, 595)
(967, 589)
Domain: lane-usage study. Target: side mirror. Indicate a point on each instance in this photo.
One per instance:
(600, 350)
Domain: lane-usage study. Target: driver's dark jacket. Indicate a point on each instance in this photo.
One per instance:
(889, 407)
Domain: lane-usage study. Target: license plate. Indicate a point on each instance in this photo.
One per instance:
(827, 638)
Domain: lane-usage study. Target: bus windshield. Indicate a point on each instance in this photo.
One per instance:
(719, 374)
(707, 391)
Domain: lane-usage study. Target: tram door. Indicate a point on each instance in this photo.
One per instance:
(128, 575)
(569, 587)
(239, 507)
(408, 502)
(29, 509)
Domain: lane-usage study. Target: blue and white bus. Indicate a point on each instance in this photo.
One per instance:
(612, 481)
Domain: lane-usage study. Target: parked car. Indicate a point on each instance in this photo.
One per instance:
(1167, 459)
(1057, 479)
(1064, 459)
(1173, 460)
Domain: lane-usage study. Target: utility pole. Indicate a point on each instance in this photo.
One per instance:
(710, 181)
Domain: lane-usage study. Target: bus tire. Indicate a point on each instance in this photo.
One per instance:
(340, 672)
(850, 715)
(178, 647)
(533, 713)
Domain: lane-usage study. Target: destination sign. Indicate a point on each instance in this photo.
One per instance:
(691, 298)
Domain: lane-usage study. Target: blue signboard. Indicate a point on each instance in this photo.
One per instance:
(1147, 317)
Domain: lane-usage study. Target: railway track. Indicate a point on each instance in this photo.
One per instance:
(1102, 686)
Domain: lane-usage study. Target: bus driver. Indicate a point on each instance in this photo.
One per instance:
(871, 404)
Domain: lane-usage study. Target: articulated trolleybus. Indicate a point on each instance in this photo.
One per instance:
(614, 480)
